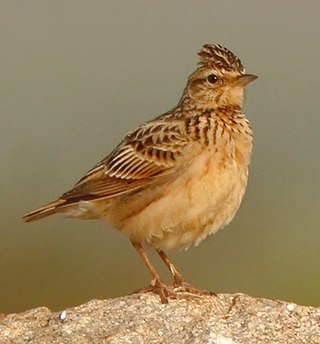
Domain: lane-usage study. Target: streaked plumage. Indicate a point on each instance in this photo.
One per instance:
(181, 176)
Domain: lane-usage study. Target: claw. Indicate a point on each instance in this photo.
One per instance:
(185, 287)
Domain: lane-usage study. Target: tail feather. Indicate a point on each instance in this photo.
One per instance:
(44, 211)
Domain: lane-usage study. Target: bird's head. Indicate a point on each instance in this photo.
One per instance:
(220, 79)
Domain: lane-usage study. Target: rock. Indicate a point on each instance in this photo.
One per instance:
(141, 318)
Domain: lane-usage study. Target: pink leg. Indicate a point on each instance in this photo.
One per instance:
(156, 284)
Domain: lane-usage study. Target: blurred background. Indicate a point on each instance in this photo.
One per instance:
(77, 75)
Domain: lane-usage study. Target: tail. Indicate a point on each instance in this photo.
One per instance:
(46, 210)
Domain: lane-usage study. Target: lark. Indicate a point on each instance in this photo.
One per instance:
(177, 178)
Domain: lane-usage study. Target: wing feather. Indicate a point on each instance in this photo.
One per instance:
(151, 151)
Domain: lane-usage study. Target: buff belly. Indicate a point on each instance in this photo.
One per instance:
(197, 202)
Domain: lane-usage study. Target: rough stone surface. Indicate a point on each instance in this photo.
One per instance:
(141, 318)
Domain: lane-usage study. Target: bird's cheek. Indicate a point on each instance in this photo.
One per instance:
(197, 91)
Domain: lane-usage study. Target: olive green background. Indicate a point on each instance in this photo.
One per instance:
(77, 75)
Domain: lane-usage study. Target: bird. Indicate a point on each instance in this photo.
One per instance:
(178, 177)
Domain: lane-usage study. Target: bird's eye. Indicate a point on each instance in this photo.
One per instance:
(212, 78)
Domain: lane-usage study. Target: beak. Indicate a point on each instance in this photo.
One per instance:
(245, 79)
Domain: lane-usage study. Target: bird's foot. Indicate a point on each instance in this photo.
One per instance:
(183, 287)
(158, 287)
(178, 290)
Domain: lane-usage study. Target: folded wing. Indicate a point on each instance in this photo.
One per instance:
(150, 152)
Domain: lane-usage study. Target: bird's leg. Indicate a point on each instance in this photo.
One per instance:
(178, 278)
(156, 284)
(180, 288)
(180, 284)
(142, 253)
